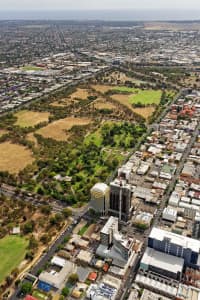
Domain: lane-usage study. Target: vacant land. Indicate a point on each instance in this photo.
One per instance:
(14, 158)
(12, 252)
(58, 129)
(26, 118)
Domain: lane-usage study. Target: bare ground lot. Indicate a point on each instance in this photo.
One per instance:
(58, 129)
(26, 118)
(14, 158)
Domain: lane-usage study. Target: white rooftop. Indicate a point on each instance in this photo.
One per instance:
(185, 242)
(164, 261)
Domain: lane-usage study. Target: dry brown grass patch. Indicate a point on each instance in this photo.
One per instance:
(144, 111)
(102, 88)
(14, 158)
(103, 104)
(26, 118)
(80, 94)
(58, 129)
(30, 137)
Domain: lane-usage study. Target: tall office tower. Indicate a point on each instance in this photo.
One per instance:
(100, 193)
(120, 200)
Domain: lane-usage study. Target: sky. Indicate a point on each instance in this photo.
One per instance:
(99, 4)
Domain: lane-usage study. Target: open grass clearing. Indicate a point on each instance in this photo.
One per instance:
(102, 88)
(123, 99)
(58, 129)
(146, 97)
(80, 94)
(14, 158)
(12, 253)
(103, 104)
(26, 118)
(145, 112)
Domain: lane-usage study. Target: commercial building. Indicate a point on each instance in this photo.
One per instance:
(56, 279)
(110, 237)
(120, 200)
(148, 295)
(161, 263)
(100, 194)
(169, 214)
(107, 289)
(176, 245)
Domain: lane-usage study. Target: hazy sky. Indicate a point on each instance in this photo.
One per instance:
(99, 4)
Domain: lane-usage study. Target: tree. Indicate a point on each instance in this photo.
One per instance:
(28, 227)
(26, 288)
(65, 291)
(73, 278)
(67, 212)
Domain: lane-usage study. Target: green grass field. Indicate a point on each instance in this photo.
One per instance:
(39, 295)
(32, 68)
(146, 97)
(83, 230)
(12, 252)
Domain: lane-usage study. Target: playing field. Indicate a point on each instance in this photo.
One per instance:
(26, 118)
(146, 97)
(14, 158)
(12, 253)
(58, 129)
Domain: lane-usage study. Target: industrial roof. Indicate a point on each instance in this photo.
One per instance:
(164, 261)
